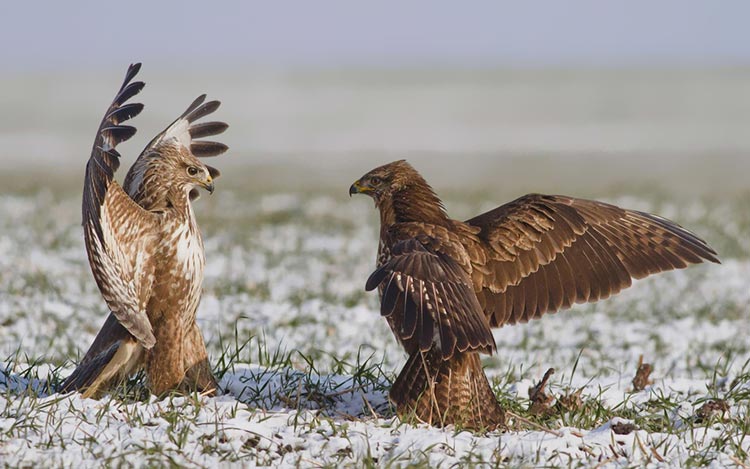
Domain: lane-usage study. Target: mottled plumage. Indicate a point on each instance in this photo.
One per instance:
(444, 283)
(146, 250)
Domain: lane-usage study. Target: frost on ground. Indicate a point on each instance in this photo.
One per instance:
(306, 360)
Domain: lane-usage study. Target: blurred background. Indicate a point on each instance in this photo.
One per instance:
(583, 97)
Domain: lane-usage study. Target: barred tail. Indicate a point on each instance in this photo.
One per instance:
(444, 392)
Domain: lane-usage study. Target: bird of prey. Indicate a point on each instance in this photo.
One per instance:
(444, 283)
(146, 252)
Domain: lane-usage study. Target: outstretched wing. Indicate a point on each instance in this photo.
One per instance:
(427, 295)
(119, 234)
(183, 132)
(542, 253)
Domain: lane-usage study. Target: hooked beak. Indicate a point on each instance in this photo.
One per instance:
(209, 185)
(357, 188)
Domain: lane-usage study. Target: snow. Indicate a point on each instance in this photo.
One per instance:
(251, 425)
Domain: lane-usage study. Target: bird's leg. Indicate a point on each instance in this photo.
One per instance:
(198, 374)
(165, 364)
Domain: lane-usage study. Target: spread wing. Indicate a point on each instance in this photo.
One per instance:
(427, 295)
(541, 253)
(119, 235)
(183, 132)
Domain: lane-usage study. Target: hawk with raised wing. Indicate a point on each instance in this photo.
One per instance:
(146, 252)
(444, 283)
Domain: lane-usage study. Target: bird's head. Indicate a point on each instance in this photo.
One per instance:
(384, 181)
(196, 175)
(401, 194)
(189, 173)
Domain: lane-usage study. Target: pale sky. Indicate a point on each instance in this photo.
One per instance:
(385, 33)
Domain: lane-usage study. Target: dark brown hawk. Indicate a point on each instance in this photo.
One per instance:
(146, 252)
(444, 283)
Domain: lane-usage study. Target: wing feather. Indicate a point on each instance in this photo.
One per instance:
(545, 253)
(207, 129)
(428, 297)
(204, 149)
(184, 132)
(124, 112)
(118, 233)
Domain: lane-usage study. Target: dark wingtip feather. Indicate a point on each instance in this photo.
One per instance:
(197, 109)
(118, 133)
(204, 149)
(375, 279)
(128, 91)
(697, 246)
(125, 112)
(709, 255)
(202, 110)
(193, 106)
(133, 70)
(215, 173)
(207, 129)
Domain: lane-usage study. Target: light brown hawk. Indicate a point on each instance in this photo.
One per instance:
(146, 252)
(444, 283)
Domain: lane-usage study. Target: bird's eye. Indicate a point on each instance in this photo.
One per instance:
(374, 180)
(192, 170)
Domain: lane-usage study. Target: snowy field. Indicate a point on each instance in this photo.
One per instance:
(304, 358)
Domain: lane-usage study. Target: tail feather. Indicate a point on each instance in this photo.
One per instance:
(107, 369)
(86, 372)
(111, 333)
(113, 356)
(444, 392)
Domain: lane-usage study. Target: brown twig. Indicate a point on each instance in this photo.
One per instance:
(367, 403)
(643, 449)
(657, 455)
(533, 424)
